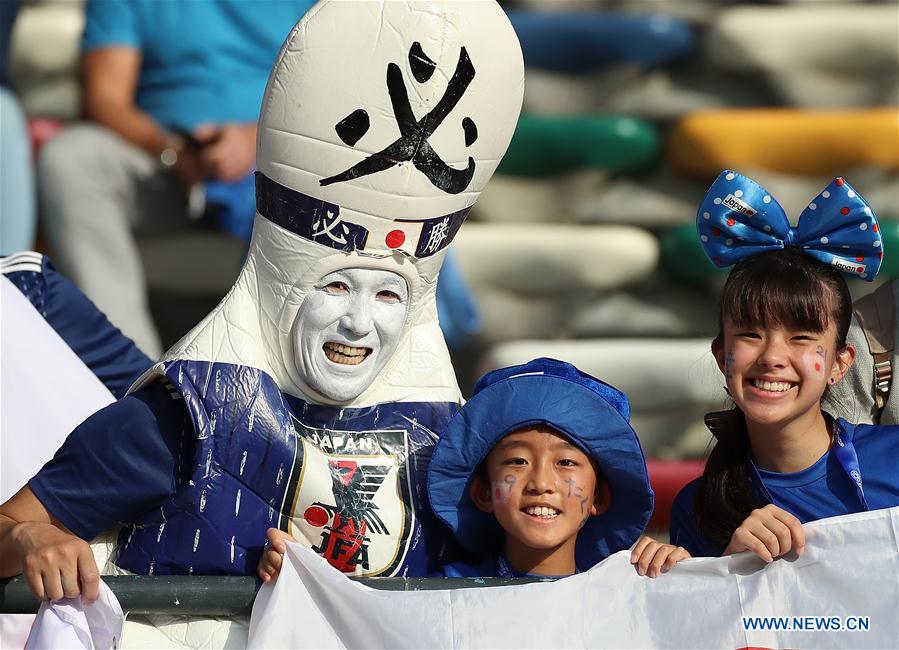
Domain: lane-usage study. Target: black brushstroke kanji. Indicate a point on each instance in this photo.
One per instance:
(413, 145)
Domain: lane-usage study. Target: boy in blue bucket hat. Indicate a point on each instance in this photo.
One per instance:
(541, 474)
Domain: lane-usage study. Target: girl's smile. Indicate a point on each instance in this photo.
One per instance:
(770, 387)
(776, 386)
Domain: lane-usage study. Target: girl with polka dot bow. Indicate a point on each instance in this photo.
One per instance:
(780, 460)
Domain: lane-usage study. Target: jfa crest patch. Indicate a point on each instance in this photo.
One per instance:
(350, 498)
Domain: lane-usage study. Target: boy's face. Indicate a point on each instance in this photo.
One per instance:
(542, 488)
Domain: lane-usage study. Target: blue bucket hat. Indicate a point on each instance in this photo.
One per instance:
(592, 414)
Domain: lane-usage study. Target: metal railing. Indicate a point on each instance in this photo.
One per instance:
(215, 595)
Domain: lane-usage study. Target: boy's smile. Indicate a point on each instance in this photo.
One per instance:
(542, 490)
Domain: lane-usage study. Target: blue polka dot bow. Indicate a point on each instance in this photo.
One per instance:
(738, 218)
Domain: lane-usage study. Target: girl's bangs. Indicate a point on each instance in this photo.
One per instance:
(794, 301)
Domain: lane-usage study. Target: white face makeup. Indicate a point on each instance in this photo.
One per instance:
(347, 329)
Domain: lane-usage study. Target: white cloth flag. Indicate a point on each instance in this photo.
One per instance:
(68, 623)
(848, 577)
(46, 392)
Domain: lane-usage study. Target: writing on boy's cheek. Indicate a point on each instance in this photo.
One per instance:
(578, 492)
(501, 489)
(819, 365)
(728, 364)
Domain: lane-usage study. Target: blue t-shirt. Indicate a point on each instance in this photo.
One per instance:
(113, 358)
(201, 60)
(820, 491)
(119, 463)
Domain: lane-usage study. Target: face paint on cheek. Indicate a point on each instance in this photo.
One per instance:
(728, 365)
(819, 366)
(577, 492)
(585, 504)
(501, 489)
(346, 308)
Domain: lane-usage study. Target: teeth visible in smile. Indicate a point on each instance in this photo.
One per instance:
(345, 354)
(542, 511)
(772, 386)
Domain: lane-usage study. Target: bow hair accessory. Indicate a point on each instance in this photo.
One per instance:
(738, 218)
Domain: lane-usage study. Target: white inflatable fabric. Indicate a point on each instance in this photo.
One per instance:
(846, 578)
(438, 87)
(380, 125)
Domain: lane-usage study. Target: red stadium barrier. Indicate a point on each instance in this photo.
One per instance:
(667, 478)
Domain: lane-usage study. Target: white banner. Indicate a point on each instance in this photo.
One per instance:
(69, 623)
(843, 592)
(46, 392)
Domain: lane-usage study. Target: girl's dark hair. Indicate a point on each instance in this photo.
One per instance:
(782, 287)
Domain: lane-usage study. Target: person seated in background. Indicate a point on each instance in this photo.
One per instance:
(170, 92)
(18, 205)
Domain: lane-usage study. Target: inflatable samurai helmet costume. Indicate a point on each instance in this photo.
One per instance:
(315, 388)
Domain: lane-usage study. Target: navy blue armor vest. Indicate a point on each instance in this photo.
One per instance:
(351, 482)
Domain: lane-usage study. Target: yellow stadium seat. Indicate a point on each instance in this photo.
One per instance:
(786, 140)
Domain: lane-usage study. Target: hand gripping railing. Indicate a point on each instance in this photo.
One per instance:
(214, 595)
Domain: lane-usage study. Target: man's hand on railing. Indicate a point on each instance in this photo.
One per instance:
(55, 563)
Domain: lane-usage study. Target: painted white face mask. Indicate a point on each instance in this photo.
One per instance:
(347, 328)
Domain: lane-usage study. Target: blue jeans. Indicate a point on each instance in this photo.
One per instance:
(18, 216)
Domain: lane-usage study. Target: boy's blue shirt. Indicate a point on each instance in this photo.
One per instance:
(74, 476)
(117, 464)
(820, 491)
(492, 567)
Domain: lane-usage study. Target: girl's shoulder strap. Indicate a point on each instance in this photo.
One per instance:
(876, 313)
